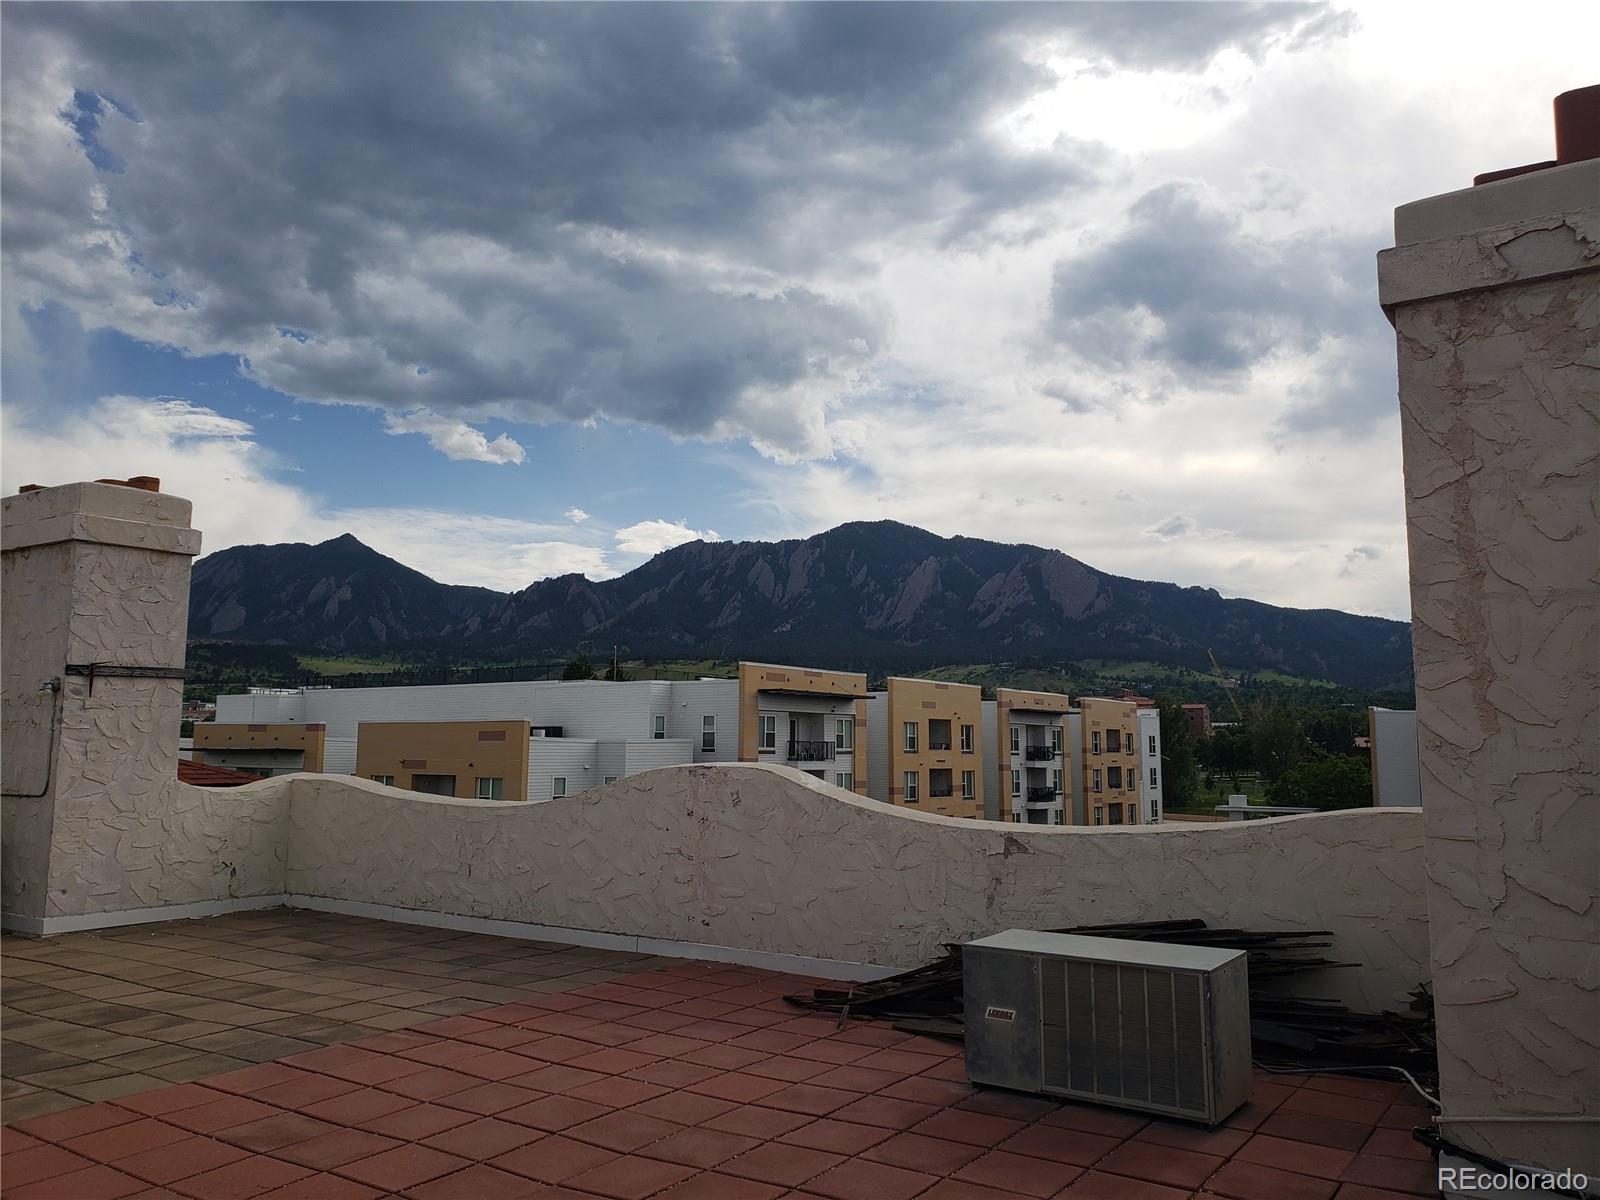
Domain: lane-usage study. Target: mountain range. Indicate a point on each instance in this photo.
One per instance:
(872, 595)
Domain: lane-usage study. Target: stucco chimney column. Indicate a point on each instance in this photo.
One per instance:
(96, 607)
(1494, 293)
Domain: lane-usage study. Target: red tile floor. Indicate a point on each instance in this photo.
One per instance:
(693, 1082)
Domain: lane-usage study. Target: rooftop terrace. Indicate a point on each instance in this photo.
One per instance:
(292, 1054)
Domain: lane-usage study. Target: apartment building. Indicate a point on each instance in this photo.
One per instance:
(1112, 761)
(267, 747)
(1031, 759)
(814, 721)
(926, 751)
(1149, 720)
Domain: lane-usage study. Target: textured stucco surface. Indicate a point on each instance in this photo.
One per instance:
(1499, 355)
(765, 858)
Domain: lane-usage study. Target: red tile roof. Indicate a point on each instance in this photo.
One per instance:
(205, 775)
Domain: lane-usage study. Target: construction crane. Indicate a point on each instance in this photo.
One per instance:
(1226, 684)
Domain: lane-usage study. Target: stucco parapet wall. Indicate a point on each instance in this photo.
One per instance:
(766, 859)
(103, 513)
(1538, 243)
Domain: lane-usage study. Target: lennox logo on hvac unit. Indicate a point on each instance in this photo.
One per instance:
(996, 1013)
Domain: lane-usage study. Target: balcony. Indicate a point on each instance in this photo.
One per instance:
(1040, 753)
(820, 750)
(1043, 795)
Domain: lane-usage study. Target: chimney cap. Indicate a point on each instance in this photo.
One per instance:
(1577, 121)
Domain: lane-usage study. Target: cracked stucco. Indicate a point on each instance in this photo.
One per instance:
(1499, 352)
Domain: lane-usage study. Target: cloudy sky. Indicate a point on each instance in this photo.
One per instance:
(514, 290)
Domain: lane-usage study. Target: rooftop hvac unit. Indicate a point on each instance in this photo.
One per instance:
(1142, 1025)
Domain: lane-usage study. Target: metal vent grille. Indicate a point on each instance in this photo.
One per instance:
(1124, 1032)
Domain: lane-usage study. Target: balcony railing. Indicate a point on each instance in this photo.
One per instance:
(1042, 795)
(933, 745)
(817, 751)
(1040, 753)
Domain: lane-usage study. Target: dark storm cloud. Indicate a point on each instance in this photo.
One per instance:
(560, 211)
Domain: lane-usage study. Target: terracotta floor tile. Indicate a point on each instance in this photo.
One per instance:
(684, 1108)
(713, 1031)
(1358, 1109)
(858, 1179)
(1397, 1116)
(352, 1108)
(1168, 1165)
(42, 1162)
(854, 1079)
(780, 1163)
(300, 1093)
(1302, 1158)
(836, 1137)
(250, 1080)
(941, 1093)
(478, 1182)
(503, 1037)
(1416, 1176)
(1060, 1145)
(553, 1159)
(1014, 1105)
(1018, 1173)
(1087, 1118)
(975, 1129)
(497, 1064)
(124, 1141)
(617, 1092)
(418, 1122)
(623, 1132)
(454, 1027)
(610, 1033)
(242, 1180)
(483, 1139)
(168, 1099)
(269, 1133)
(402, 1168)
(1253, 1181)
(961, 1189)
(673, 1074)
(832, 1050)
(1358, 1191)
(789, 1070)
(770, 1041)
(1385, 1090)
(666, 1045)
(764, 1123)
(556, 1049)
(870, 1033)
(660, 1022)
(445, 1053)
(323, 1058)
(553, 1113)
(1315, 1130)
(741, 1089)
(318, 1187)
(95, 1182)
(934, 1156)
(335, 1149)
(222, 1113)
(631, 1178)
(557, 1079)
(179, 1160)
(712, 1185)
(886, 1112)
(13, 1140)
(728, 1058)
(486, 1099)
(57, 1127)
(1221, 1140)
(1097, 1185)
(701, 1148)
(1395, 1143)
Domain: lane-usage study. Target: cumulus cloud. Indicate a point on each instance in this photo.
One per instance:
(576, 515)
(455, 439)
(1175, 526)
(652, 537)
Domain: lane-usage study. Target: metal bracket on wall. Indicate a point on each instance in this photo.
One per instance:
(96, 670)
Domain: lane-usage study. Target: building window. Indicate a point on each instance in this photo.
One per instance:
(434, 785)
(1055, 782)
(1016, 740)
(769, 732)
(909, 794)
(1114, 814)
(558, 786)
(1055, 740)
(910, 742)
(386, 780)
(938, 735)
(845, 780)
(1152, 745)
(490, 788)
(969, 783)
(1113, 741)
(1016, 782)
(966, 739)
(660, 731)
(1114, 778)
(1057, 819)
(1096, 775)
(1099, 816)
(940, 783)
(1153, 779)
(844, 734)
(1133, 814)
(708, 734)
(1094, 742)
(610, 779)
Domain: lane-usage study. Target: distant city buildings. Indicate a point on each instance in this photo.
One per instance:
(939, 747)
